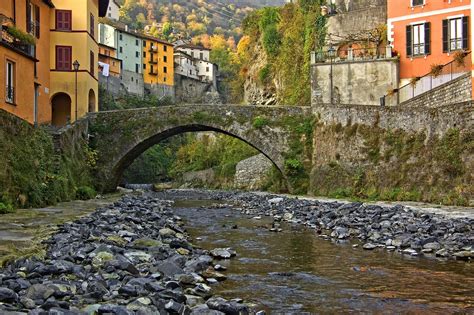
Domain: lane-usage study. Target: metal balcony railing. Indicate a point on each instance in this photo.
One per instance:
(10, 94)
(426, 83)
(15, 43)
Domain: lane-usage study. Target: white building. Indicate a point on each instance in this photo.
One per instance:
(188, 66)
(207, 71)
(113, 11)
(185, 65)
(194, 51)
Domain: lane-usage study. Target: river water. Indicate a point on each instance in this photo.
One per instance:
(295, 271)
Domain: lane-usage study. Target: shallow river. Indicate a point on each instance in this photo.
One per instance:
(296, 271)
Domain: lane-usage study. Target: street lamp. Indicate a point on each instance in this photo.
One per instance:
(76, 66)
(332, 54)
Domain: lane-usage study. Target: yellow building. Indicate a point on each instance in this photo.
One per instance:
(158, 61)
(73, 26)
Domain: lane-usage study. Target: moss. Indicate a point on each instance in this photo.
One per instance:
(395, 165)
(85, 193)
(260, 122)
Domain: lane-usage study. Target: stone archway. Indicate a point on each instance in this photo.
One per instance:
(92, 101)
(61, 109)
(121, 136)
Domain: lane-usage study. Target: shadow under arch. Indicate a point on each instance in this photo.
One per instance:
(127, 159)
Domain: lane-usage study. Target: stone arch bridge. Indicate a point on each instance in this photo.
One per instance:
(121, 136)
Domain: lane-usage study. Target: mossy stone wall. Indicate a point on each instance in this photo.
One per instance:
(32, 172)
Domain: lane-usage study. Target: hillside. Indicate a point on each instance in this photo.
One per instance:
(187, 19)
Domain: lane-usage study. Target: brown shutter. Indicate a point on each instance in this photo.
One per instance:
(445, 36)
(67, 20)
(427, 38)
(37, 22)
(59, 20)
(409, 41)
(92, 64)
(28, 16)
(59, 58)
(465, 32)
(67, 58)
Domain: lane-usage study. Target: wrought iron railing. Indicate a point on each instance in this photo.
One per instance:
(350, 54)
(15, 43)
(426, 83)
(10, 94)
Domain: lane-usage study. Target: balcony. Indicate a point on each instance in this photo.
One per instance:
(153, 72)
(16, 43)
(351, 55)
(10, 94)
(153, 49)
(152, 60)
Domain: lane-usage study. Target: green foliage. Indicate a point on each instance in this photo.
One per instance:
(85, 193)
(271, 40)
(154, 165)
(5, 208)
(21, 36)
(260, 122)
(287, 35)
(293, 166)
(264, 74)
(220, 152)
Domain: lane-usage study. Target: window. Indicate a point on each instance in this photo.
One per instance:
(110, 15)
(136, 42)
(92, 64)
(144, 54)
(92, 26)
(120, 36)
(33, 19)
(415, 3)
(63, 58)
(165, 58)
(120, 49)
(137, 68)
(418, 39)
(63, 20)
(207, 69)
(144, 66)
(164, 79)
(165, 69)
(10, 82)
(201, 56)
(192, 54)
(165, 48)
(455, 34)
(137, 54)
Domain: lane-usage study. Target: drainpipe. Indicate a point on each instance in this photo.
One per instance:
(14, 11)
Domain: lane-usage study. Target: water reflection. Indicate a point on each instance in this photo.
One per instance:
(295, 271)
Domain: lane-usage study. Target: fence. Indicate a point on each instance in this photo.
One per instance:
(345, 55)
(426, 83)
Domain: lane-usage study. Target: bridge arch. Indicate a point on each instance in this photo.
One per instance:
(121, 136)
(128, 158)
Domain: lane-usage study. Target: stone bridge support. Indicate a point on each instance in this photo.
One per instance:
(121, 136)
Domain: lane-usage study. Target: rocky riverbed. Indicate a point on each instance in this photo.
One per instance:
(135, 257)
(132, 257)
(395, 228)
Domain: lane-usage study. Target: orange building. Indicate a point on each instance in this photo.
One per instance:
(108, 55)
(24, 56)
(427, 32)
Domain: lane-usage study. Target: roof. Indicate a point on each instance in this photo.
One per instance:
(49, 3)
(107, 46)
(103, 6)
(143, 36)
(190, 46)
